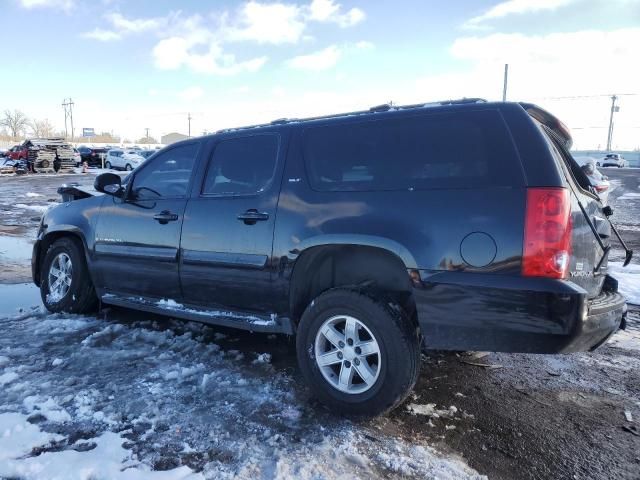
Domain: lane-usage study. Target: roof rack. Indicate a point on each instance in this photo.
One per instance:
(386, 107)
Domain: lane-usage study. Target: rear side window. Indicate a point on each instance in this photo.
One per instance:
(242, 166)
(461, 150)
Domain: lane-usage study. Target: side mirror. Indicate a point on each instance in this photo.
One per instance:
(109, 183)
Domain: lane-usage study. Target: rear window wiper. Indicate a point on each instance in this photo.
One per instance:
(628, 253)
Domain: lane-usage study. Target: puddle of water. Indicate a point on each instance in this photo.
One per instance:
(13, 297)
(15, 248)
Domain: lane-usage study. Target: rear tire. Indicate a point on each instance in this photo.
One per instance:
(65, 284)
(391, 373)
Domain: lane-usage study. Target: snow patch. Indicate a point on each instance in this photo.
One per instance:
(48, 408)
(628, 280)
(8, 377)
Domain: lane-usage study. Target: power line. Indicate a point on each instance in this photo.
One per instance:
(68, 114)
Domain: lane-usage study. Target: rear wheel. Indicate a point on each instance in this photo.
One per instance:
(65, 285)
(359, 355)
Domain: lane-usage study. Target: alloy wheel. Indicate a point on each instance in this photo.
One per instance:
(347, 354)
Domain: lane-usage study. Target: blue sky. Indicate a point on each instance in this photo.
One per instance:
(132, 65)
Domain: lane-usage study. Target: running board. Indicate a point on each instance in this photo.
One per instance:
(226, 318)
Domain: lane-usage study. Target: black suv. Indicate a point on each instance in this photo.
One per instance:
(465, 225)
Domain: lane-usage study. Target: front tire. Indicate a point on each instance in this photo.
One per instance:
(128, 167)
(107, 165)
(359, 355)
(65, 284)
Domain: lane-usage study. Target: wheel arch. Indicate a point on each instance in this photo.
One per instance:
(47, 240)
(367, 266)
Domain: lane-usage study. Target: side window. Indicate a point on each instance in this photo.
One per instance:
(167, 175)
(439, 150)
(241, 166)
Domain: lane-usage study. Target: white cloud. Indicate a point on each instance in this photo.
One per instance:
(62, 4)
(138, 25)
(330, 11)
(176, 52)
(514, 7)
(274, 23)
(191, 93)
(122, 26)
(317, 61)
(102, 35)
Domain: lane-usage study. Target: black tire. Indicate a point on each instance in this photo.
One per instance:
(398, 339)
(107, 165)
(81, 296)
(128, 167)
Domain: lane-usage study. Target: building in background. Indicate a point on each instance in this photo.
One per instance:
(172, 137)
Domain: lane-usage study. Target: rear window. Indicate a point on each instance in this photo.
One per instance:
(461, 150)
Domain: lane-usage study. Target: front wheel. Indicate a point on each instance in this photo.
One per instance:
(128, 167)
(359, 355)
(107, 165)
(65, 285)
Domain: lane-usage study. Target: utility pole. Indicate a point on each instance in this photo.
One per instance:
(147, 134)
(614, 109)
(506, 79)
(68, 114)
(189, 120)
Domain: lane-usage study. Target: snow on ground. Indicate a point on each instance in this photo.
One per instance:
(86, 398)
(628, 280)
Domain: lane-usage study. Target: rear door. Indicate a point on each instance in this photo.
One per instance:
(227, 235)
(137, 238)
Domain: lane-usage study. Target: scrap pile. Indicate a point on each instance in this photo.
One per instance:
(47, 155)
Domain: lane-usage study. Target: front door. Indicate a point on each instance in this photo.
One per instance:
(138, 237)
(227, 235)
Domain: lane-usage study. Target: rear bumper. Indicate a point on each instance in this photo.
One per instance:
(462, 311)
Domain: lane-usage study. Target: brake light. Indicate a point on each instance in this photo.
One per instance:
(547, 233)
(601, 188)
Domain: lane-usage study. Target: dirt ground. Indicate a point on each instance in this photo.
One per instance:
(508, 416)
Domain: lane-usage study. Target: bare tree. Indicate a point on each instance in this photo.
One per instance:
(145, 140)
(42, 128)
(16, 122)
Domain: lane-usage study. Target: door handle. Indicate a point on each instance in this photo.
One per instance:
(165, 217)
(251, 216)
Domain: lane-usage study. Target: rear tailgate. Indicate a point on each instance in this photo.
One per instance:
(591, 232)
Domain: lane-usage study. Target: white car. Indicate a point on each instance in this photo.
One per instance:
(613, 160)
(120, 159)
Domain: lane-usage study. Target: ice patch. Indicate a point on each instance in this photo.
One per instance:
(628, 280)
(8, 377)
(47, 408)
(430, 410)
(263, 358)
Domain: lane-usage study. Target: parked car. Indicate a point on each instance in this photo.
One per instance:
(599, 182)
(613, 160)
(18, 152)
(458, 225)
(120, 159)
(92, 155)
(8, 165)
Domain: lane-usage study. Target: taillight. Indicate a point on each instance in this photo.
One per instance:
(601, 188)
(547, 233)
